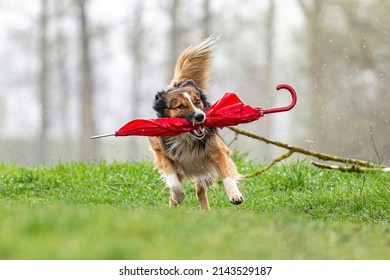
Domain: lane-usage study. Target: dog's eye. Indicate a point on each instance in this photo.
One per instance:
(181, 107)
(198, 101)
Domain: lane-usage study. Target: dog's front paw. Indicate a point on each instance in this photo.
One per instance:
(236, 199)
(232, 191)
(177, 195)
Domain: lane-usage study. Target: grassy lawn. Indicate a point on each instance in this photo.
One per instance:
(119, 211)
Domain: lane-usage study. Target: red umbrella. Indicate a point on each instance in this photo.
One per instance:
(227, 111)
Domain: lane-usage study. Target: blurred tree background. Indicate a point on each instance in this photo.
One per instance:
(74, 68)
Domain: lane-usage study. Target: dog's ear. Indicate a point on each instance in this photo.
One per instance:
(191, 83)
(159, 103)
(159, 95)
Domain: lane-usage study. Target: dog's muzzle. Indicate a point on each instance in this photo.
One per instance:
(199, 132)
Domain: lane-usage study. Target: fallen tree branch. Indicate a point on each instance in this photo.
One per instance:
(233, 140)
(351, 168)
(269, 165)
(357, 165)
(295, 149)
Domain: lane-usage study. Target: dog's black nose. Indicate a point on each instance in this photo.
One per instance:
(199, 117)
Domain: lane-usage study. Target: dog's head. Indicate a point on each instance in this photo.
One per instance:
(185, 101)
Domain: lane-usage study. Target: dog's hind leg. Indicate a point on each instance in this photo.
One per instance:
(201, 192)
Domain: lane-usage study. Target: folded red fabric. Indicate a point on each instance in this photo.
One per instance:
(227, 111)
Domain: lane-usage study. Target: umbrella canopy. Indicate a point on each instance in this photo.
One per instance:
(228, 111)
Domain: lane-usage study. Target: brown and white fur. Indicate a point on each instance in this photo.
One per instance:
(200, 154)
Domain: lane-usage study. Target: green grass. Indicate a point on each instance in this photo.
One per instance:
(119, 211)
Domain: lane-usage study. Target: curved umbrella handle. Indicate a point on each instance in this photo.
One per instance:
(285, 108)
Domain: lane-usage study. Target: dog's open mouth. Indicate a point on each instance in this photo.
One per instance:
(199, 132)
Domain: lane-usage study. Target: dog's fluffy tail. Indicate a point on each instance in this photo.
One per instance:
(194, 63)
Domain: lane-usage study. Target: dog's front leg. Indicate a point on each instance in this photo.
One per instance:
(176, 190)
(228, 172)
(172, 180)
(167, 170)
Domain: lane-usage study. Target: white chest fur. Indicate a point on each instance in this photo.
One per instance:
(189, 156)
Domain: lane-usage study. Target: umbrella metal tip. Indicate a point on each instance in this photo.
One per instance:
(102, 135)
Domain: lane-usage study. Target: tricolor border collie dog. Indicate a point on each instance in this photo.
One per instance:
(200, 154)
